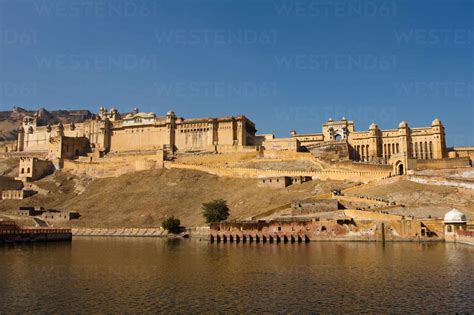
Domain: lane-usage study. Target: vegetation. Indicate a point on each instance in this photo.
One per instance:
(171, 224)
(215, 211)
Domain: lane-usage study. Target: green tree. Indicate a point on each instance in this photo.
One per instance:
(171, 224)
(215, 211)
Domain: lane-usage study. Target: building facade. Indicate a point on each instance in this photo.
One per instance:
(110, 132)
(376, 145)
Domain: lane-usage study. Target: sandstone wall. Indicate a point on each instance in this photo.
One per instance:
(8, 146)
(139, 138)
(295, 230)
(364, 166)
(309, 206)
(462, 152)
(217, 158)
(115, 165)
(254, 173)
(282, 144)
(442, 163)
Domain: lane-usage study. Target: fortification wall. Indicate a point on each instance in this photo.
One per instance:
(8, 146)
(115, 166)
(442, 163)
(235, 148)
(364, 166)
(282, 144)
(139, 138)
(217, 158)
(462, 152)
(310, 206)
(368, 215)
(275, 154)
(254, 173)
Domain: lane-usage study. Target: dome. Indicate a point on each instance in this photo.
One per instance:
(373, 126)
(403, 124)
(436, 122)
(455, 216)
(170, 113)
(330, 119)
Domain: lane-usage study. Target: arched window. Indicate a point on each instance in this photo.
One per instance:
(23, 171)
(398, 148)
(431, 150)
(426, 150)
(28, 170)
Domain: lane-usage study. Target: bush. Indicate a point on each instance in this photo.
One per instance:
(171, 224)
(215, 211)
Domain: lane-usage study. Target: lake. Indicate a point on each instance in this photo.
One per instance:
(188, 276)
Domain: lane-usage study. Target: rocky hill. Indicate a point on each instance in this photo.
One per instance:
(10, 120)
(144, 199)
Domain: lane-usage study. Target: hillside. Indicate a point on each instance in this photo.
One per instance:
(419, 199)
(145, 198)
(10, 120)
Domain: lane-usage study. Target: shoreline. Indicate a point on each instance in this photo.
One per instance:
(161, 233)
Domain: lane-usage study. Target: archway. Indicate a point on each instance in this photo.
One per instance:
(400, 169)
(337, 137)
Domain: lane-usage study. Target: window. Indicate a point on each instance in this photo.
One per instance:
(23, 171)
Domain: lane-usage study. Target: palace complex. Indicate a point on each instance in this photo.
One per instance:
(109, 133)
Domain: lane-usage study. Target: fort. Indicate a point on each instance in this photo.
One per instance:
(108, 132)
(109, 139)
(110, 144)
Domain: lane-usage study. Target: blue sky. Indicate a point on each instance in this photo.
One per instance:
(284, 64)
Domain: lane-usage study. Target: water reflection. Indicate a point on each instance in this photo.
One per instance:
(131, 275)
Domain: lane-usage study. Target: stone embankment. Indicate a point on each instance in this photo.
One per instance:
(197, 232)
(128, 232)
(465, 237)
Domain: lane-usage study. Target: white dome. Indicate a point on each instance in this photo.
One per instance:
(455, 216)
(403, 124)
(436, 122)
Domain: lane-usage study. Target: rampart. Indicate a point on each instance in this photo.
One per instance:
(254, 172)
(113, 166)
(360, 166)
(436, 164)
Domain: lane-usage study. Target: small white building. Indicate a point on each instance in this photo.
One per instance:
(454, 221)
